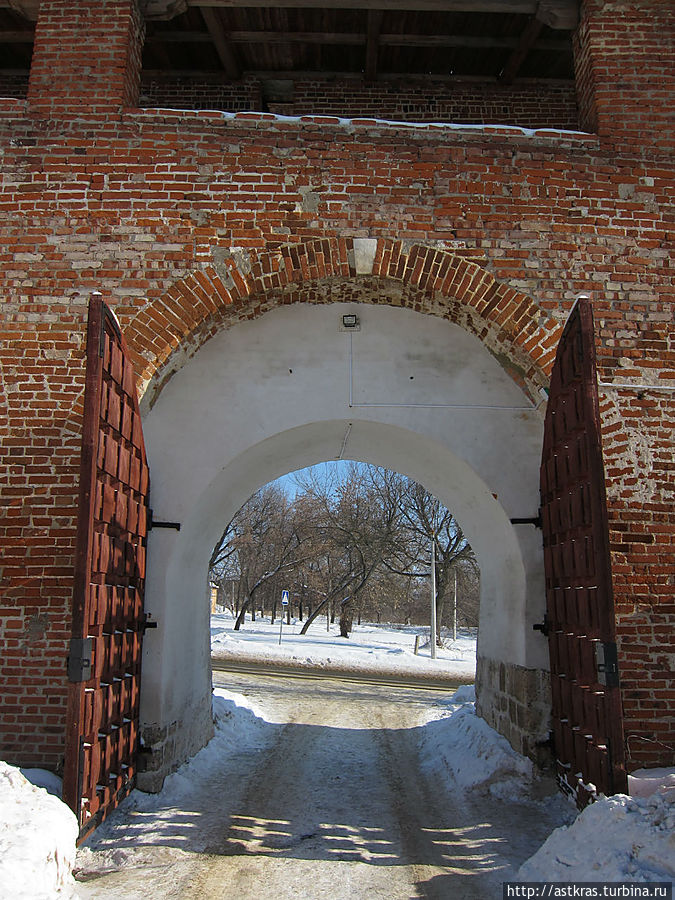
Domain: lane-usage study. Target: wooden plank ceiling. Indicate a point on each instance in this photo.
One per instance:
(502, 40)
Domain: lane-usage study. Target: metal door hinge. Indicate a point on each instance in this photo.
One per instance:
(532, 520)
(147, 623)
(80, 659)
(607, 661)
(544, 626)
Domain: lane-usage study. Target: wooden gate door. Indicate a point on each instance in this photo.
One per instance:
(587, 718)
(108, 621)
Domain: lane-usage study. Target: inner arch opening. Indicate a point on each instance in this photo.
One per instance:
(348, 567)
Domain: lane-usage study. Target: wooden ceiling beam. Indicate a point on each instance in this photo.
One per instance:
(497, 6)
(559, 14)
(220, 38)
(26, 8)
(347, 39)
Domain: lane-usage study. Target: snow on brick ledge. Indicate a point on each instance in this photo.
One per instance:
(37, 840)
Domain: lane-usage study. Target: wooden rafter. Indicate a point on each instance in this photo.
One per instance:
(222, 43)
(498, 6)
(527, 41)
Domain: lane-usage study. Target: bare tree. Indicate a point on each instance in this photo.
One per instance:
(427, 520)
(359, 543)
(261, 541)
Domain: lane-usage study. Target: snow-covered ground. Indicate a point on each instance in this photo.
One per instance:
(37, 838)
(384, 649)
(617, 838)
(620, 838)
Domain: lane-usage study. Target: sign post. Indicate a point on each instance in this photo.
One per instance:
(284, 605)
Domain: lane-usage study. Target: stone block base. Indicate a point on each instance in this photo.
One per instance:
(516, 702)
(166, 747)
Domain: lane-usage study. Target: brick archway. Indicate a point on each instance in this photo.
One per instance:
(242, 284)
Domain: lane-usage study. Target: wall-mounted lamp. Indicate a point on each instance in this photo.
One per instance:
(350, 320)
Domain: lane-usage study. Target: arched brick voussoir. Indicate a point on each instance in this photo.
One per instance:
(510, 322)
(166, 323)
(242, 284)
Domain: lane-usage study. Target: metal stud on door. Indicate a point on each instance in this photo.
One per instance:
(108, 622)
(586, 708)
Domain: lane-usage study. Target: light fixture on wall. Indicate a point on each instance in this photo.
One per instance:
(350, 320)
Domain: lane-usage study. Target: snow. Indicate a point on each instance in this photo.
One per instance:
(44, 779)
(470, 754)
(614, 839)
(382, 649)
(341, 121)
(154, 824)
(37, 840)
(619, 838)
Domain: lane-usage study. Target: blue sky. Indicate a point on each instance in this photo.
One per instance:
(333, 467)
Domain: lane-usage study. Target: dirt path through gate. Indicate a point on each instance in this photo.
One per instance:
(334, 806)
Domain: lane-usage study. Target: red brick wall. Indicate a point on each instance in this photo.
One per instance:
(626, 80)
(531, 105)
(138, 203)
(188, 93)
(86, 57)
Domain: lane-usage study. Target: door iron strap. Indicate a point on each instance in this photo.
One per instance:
(532, 520)
(153, 523)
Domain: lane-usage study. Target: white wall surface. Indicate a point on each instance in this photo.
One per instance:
(273, 395)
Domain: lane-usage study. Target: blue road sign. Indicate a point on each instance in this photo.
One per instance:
(284, 598)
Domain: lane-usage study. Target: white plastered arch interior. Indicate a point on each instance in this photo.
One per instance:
(408, 391)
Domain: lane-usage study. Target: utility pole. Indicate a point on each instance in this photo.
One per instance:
(433, 597)
(454, 609)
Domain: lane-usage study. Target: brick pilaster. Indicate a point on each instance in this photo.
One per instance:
(86, 59)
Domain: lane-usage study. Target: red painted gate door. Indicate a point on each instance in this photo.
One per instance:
(108, 621)
(587, 718)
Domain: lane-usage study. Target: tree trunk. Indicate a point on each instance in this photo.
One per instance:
(274, 611)
(346, 619)
(313, 615)
(242, 613)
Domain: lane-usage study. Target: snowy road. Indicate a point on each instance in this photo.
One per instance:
(334, 806)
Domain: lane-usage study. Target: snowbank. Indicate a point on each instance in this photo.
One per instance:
(618, 838)
(614, 839)
(37, 840)
(470, 754)
(238, 723)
